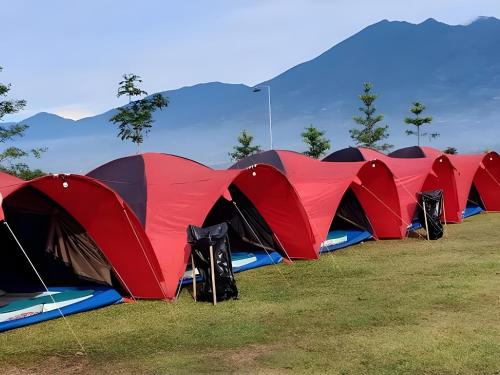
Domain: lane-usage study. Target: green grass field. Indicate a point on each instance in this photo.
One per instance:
(387, 307)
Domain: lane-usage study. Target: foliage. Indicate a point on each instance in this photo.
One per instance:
(370, 135)
(316, 142)
(135, 120)
(244, 147)
(418, 121)
(450, 150)
(11, 157)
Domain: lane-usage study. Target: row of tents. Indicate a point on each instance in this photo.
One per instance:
(120, 230)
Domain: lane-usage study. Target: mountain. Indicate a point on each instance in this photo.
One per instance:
(453, 70)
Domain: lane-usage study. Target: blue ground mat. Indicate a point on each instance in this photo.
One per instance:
(338, 239)
(415, 224)
(243, 261)
(18, 309)
(471, 210)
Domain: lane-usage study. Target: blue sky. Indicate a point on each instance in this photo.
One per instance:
(66, 57)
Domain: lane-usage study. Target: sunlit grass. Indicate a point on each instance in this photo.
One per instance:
(387, 307)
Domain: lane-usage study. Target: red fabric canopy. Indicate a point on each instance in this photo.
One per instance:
(487, 181)
(7, 184)
(321, 187)
(106, 219)
(167, 193)
(440, 175)
(412, 175)
(482, 170)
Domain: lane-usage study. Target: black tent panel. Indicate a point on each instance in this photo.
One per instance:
(348, 154)
(474, 198)
(350, 214)
(267, 157)
(127, 178)
(247, 228)
(408, 153)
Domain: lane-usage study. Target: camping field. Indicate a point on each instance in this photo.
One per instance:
(387, 307)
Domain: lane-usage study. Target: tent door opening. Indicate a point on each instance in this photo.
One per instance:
(252, 242)
(72, 266)
(349, 226)
(475, 204)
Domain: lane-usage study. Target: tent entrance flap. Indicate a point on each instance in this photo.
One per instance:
(248, 231)
(60, 249)
(349, 226)
(57, 254)
(474, 204)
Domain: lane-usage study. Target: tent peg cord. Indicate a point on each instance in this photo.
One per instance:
(80, 344)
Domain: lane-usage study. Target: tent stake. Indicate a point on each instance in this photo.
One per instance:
(425, 219)
(194, 276)
(212, 271)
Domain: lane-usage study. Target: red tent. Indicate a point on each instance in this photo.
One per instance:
(101, 215)
(167, 193)
(475, 174)
(322, 186)
(412, 174)
(487, 181)
(7, 184)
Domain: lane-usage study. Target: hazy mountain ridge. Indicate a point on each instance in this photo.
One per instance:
(454, 70)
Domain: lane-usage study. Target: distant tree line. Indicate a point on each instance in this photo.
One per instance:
(369, 132)
(12, 158)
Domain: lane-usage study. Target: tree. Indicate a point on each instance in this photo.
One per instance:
(244, 148)
(135, 120)
(450, 150)
(418, 121)
(370, 135)
(316, 142)
(11, 158)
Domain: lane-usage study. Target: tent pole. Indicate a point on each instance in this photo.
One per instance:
(425, 219)
(45, 287)
(194, 276)
(212, 271)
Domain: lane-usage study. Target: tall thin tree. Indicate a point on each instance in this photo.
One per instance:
(135, 119)
(244, 147)
(450, 150)
(11, 158)
(419, 121)
(317, 143)
(370, 135)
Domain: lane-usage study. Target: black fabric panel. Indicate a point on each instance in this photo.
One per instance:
(201, 239)
(348, 154)
(33, 228)
(408, 152)
(127, 178)
(70, 243)
(267, 157)
(474, 198)
(350, 214)
(241, 233)
(433, 207)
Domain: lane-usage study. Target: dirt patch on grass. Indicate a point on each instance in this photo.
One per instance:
(247, 357)
(77, 364)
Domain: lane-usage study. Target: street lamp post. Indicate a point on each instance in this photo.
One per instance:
(257, 89)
